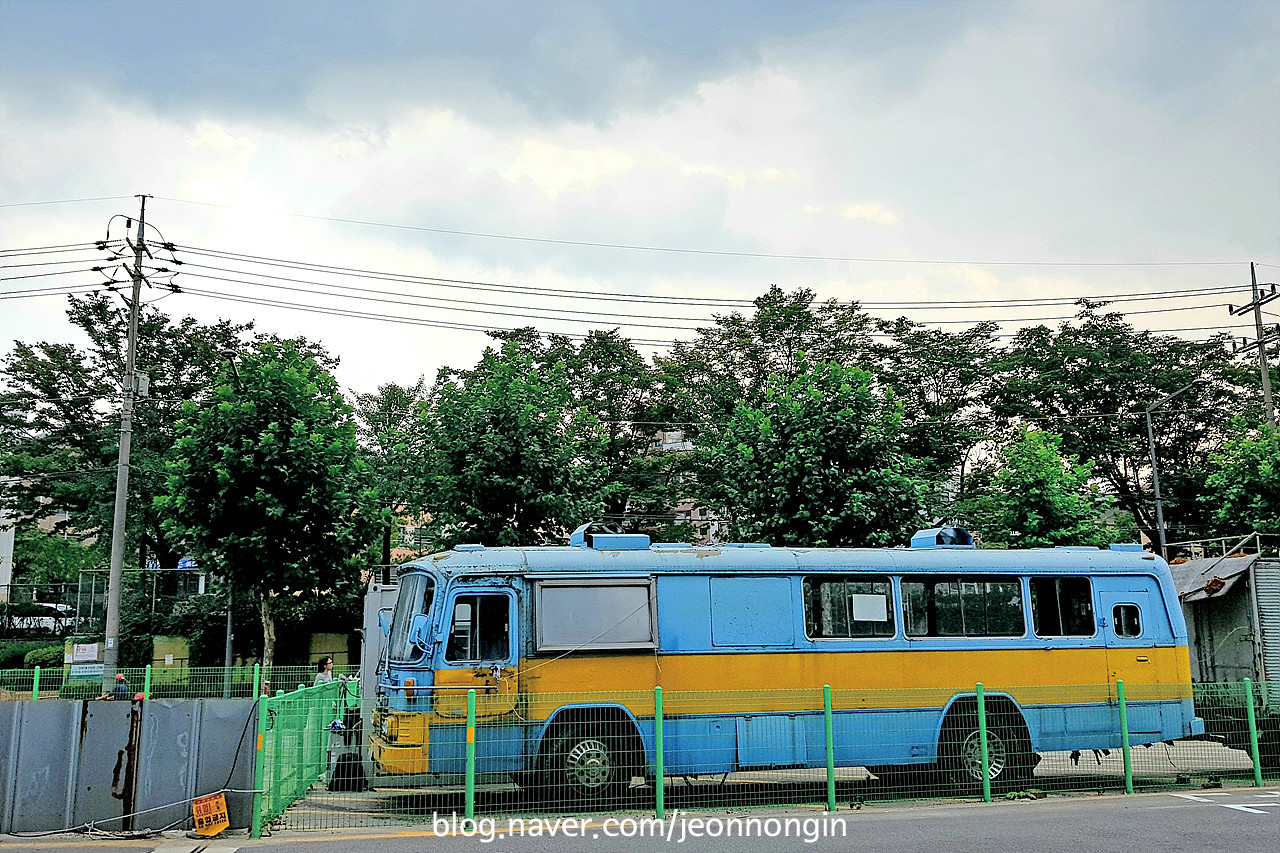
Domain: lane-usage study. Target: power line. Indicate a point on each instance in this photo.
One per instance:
(57, 290)
(51, 250)
(44, 263)
(715, 252)
(65, 201)
(466, 284)
(563, 314)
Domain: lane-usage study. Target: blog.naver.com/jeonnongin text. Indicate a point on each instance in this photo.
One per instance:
(676, 828)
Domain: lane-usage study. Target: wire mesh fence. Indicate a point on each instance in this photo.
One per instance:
(159, 682)
(433, 755)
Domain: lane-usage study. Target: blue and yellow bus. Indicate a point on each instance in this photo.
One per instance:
(566, 644)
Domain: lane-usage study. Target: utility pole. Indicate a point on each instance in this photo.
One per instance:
(111, 654)
(1260, 341)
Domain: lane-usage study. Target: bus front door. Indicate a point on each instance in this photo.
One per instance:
(1138, 638)
(478, 652)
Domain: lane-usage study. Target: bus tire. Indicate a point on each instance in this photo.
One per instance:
(590, 763)
(1010, 759)
(908, 780)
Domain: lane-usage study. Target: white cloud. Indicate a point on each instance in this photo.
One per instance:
(554, 169)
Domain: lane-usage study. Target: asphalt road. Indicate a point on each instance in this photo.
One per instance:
(1241, 820)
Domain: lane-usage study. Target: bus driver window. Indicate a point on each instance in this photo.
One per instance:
(481, 629)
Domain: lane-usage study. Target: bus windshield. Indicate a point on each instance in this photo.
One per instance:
(415, 596)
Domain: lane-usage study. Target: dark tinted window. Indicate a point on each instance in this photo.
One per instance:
(962, 607)
(1062, 607)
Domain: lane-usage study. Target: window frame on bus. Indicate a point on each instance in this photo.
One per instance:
(447, 621)
(1018, 580)
(892, 602)
(540, 585)
(1056, 578)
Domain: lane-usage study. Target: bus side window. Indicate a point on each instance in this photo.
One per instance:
(962, 607)
(1062, 607)
(1128, 620)
(481, 629)
(847, 607)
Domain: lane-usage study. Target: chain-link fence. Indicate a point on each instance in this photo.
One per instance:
(446, 754)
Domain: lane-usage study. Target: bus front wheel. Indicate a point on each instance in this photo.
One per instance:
(590, 763)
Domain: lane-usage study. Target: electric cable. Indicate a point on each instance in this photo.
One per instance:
(708, 301)
(718, 252)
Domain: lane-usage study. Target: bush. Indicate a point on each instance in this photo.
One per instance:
(43, 657)
(80, 690)
(12, 652)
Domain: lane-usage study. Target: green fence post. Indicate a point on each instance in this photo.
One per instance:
(35, 690)
(146, 682)
(831, 747)
(471, 756)
(660, 759)
(982, 743)
(259, 769)
(1253, 732)
(1124, 738)
(257, 684)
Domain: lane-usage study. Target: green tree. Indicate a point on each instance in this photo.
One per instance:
(735, 359)
(60, 412)
(1034, 497)
(392, 447)
(818, 462)
(266, 487)
(511, 459)
(40, 557)
(1244, 488)
(1090, 381)
(943, 381)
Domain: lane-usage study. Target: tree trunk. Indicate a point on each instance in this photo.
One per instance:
(268, 631)
(386, 543)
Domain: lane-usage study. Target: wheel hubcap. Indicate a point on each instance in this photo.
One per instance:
(588, 766)
(971, 756)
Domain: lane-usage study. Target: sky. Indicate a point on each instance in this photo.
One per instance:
(638, 165)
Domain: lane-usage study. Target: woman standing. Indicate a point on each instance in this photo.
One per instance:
(324, 671)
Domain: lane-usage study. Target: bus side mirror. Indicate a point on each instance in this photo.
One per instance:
(384, 621)
(420, 631)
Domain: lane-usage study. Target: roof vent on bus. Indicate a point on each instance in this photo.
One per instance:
(1134, 547)
(942, 537)
(468, 547)
(607, 537)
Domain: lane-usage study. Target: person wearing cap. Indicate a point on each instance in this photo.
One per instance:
(121, 690)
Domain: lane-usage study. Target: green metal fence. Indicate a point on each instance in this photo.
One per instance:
(489, 760)
(295, 731)
(159, 682)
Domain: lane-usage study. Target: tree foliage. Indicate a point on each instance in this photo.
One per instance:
(61, 414)
(736, 359)
(391, 446)
(1091, 380)
(1243, 491)
(817, 462)
(510, 460)
(1034, 497)
(266, 486)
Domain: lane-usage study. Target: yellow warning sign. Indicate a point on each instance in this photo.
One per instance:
(210, 814)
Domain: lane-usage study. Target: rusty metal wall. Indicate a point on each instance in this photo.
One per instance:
(122, 765)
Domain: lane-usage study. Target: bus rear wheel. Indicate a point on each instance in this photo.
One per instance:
(1010, 761)
(590, 764)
